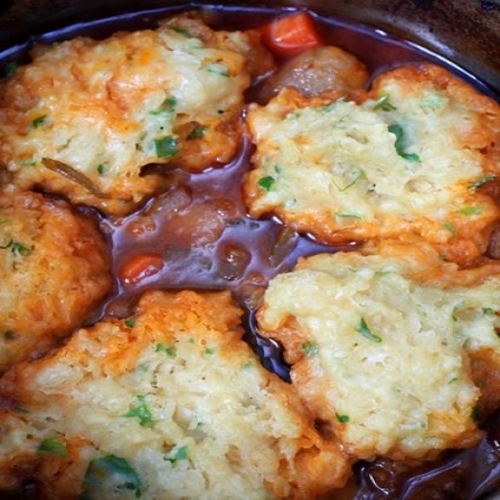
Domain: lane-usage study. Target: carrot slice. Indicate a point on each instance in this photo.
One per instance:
(290, 35)
(139, 267)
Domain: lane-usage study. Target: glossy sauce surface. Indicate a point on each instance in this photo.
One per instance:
(200, 232)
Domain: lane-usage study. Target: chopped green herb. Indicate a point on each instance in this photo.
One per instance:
(208, 350)
(471, 210)
(129, 323)
(53, 445)
(359, 175)
(5, 221)
(111, 470)
(181, 31)
(166, 147)
(27, 162)
(141, 412)
(166, 108)
(8, 335)
(342, 418)
(191, 340)
(102, 169)
(266, 183)
(17, 248)
(180, 454)
(343, 215)
(366, 332)
(169, 351)
(384, 104)
(488, 311)
(400, 143)
(480, 182)
(309, 348)
(218, 69)
(449, 226)
(197, 133)
(39, 121)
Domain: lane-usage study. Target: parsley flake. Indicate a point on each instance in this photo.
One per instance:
(197, 133)
(17, 248)
(218, 69)
(358, 176)
(266, 183)
(39, 121)
(309, 348)
(111, 470)
(342, 418)
(471, 210)
(101, 169)
(480, 182)
(400, 143)
(141, 412)
(166, 147)
(53, 445)
(169, 351)
(366, 332)
(383, 103)
(180, 454)
(449, 227)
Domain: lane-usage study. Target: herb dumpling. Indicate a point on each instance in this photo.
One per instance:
(412, 156)
(86, 115)
(381, 347)
(168, 403)
(54, 271)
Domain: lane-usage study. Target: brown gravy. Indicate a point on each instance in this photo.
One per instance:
(200, 228)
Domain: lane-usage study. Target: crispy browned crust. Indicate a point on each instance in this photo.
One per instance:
(54, 270)
(307, 466)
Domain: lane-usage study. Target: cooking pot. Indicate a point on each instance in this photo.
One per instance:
(467, 32)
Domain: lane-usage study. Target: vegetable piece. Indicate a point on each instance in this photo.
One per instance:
(73, 175)
(290, 35)
(139, 267)
(113, 470)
